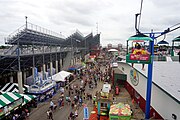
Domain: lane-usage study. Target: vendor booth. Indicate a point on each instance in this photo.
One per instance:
(43, 90)
(8, 103)
(120, 111)
(11, 101)
(104, 101)
(60, 78)
(13, 87)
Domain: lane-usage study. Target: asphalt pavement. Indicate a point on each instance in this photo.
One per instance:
(39, 113)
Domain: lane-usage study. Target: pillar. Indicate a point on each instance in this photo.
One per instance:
(20, 84)
(33, 71)
(24, 74)
(60, 65)
(51, 68)
(56, 66)
(72, 62)
(44, 71)
(11, 79)
(76, 60)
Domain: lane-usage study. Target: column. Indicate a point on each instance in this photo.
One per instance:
(20, 84)
(11, 79)
(51, 68)
(60, 64)
(44, 71)
(72, 62)
(56, 66)
(24, 74)
(75, 60)
(33, 71)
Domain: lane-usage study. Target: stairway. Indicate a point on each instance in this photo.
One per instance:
(11, 50)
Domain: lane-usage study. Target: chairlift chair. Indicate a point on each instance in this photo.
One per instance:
(139, 54)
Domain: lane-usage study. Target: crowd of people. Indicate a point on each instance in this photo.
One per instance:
(76, 95)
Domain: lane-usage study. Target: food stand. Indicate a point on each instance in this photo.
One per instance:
(43, 90)
(120, 111)
(104, 101)
(8, 103)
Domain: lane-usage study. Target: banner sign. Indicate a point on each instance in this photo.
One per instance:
(139, 57)
(86, 113)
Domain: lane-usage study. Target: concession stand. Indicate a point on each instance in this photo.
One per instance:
(8, 103)
(120, 111)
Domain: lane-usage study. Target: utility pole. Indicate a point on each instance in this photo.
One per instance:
(26, 21)
(97, 27)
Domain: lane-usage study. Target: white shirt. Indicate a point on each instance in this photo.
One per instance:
(51, 103)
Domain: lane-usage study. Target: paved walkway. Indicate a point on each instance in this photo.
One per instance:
(39, 113)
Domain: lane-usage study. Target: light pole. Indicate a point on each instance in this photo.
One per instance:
(26, 21)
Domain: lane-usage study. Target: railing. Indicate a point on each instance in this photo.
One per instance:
(159, 58)
(37, 50)
(43, 30)
(11, 50)
(18, 33)
(15, 33)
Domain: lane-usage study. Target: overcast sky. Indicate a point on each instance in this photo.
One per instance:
(115, 18)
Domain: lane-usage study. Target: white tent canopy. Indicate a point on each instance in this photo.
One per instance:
(112, 50)
(61, 76)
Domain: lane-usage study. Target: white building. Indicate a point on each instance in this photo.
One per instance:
(165, 96)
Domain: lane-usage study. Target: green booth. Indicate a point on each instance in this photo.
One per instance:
(104, 101)
(8, 103)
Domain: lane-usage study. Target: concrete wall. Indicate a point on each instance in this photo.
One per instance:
(160, 100)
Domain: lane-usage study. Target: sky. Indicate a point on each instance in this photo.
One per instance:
(113, 19)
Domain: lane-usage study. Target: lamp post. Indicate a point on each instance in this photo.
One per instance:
(26, 21)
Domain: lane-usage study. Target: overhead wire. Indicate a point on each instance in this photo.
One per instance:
(175, 25)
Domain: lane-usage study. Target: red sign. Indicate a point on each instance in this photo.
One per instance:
(139, 57)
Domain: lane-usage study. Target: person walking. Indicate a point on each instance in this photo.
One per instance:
(76, 113)
(60, 102)
(50, 114)
(80, 101)
(51, 104)
(71, 115)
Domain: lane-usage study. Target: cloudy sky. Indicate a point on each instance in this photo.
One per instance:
(115, 18)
